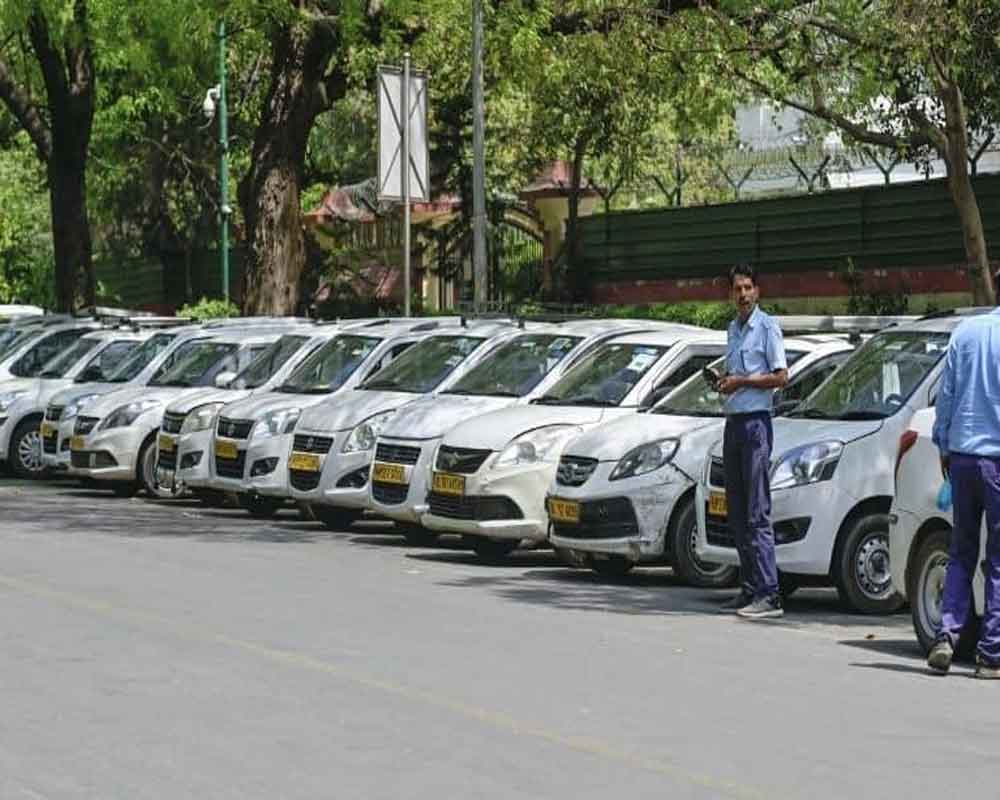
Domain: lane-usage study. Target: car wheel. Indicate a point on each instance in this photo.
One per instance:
(258, 506)
(335, 519)
(926, 590)
(686, 563)
(864, 581)
(148, 456)
(25, 454)
(493, 550)
(612, 566)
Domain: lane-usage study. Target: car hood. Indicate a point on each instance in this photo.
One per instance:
(431, 416)
(48, 389)
(610, 441)
(200, 397)
(790, 432)
(122, 397)
(256, 406)
(351, 409)
(19, 385)
(497, 429)
(67, 395)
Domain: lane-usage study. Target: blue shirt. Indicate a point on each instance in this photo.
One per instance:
(754, 348)
(967, 415)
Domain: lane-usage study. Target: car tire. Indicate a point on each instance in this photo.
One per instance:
(926, 583)
(333, 518)
(146, 469)
(687, 566)
(863, 578)
(259, 506)
(493, 551)
(612, 566)
(25, 453)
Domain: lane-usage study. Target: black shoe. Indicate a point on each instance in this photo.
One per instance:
(765, 608)
(734, 604)
(939, 658)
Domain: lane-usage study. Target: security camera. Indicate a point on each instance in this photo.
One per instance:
(210, 102)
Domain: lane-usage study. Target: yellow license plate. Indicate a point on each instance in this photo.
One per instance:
(77, 443)
(389, 473)
(564, 511)
(227, 450)
(304, 462)
(166, 444)
(717, 506)
(47, 430)
(443, 483)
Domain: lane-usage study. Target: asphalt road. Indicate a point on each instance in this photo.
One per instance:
(172, 651)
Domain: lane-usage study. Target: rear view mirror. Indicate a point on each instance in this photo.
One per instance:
(224, 379)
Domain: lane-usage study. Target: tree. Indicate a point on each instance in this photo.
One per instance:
(911, 76)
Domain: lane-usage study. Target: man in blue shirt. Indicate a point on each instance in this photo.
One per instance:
(755, 367)
(967, 434)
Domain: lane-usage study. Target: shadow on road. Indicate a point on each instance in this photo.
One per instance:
(900, 648)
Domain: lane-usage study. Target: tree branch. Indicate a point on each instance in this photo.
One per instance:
(25, 112)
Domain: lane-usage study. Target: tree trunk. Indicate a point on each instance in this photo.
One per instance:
(74, 264)
(578, 282)
(956, 154)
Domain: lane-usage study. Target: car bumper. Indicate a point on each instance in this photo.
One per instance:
(822, 504)
(342, 480)
(120, 445)
(191, 458)
(254, 455)
(59, 459)
(412, 499)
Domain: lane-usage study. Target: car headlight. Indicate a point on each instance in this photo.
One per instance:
(126, 415)
(808, 464)
(275, 423)
(202, 418)
(72, 409)
(364, 435)
(7, 399)
(539, 446)
(644, 458)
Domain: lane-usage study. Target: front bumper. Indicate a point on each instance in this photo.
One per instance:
(261, 465)
(55, 444)
(182, 459)
(405, 502)
(342, 479)
(652, 499)
(903, 527)
(823, 504)
(110, 455)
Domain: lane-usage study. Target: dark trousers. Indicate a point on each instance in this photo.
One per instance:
(975, 490)
(746, 452)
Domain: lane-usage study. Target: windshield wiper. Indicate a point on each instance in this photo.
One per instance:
(314, 390)
(590, 400)
(811, 413)
(464, 393)
(382, 384)
(862, 415)
(685, 412)
(548, 399)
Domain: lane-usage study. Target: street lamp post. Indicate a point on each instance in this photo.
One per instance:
(224, 209)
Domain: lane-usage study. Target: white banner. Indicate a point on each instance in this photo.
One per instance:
(390, 135)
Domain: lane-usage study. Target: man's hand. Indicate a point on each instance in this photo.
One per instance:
(730, 383)
(945, 465)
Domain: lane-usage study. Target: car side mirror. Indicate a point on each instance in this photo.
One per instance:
(654, 397)
(224, 379)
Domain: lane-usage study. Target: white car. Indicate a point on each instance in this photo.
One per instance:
(406, 452)
(253, 437)
(334, 479)
(90, 357)
(919, 536)
(33, 344)
(114, 440)
(832, 475)
(624, 493)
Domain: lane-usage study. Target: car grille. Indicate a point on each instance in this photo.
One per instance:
(397, 454)
(716, 472)
(85, 425)
(471, 507)
(461, 459)
(50, 443)
(390, 494)
(167, 459)
(574, 471)
(81, 459)
(172, 423)
(231, 467)
(303, 481)
(54, 413)
(234, 428)
(613, 518)
(304, 443)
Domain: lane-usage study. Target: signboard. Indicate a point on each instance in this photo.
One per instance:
(390, 135)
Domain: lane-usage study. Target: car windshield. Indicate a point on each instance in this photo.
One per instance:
(106, 361)
(421, 368)
(326, 370)
(263, 368)
(516, 367)
(878, 379)
(203, 361)
(64, 362)
(605, 376)
(141, 357)
(13, 336)
(697, 398)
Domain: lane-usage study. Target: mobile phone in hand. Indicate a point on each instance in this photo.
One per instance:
(711, 377)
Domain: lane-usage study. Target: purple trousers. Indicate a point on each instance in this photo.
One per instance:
(975, 490)
(746, 452)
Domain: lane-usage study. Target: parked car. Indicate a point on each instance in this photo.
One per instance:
(832, 476)
(90, 357)
(253, 437)
(35, 342)
(624, 493)
(334, 441)
(114, 441)
(919, 536)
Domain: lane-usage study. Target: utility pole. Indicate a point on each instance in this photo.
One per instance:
(479, 276)
(405, 105)
(224, 209)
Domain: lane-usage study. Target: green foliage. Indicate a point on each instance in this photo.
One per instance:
(873, 302)
(209, 309)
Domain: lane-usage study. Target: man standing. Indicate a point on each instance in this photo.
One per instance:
(967, 434)
(755, 367)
